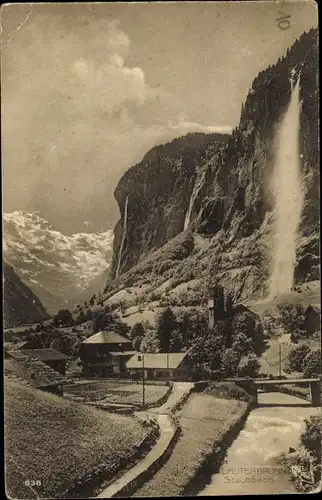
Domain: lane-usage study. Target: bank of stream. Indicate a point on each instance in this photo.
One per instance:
(252, 462)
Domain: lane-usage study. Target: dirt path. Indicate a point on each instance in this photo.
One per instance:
(167, 430)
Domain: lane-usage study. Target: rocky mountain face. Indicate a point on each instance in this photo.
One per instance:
(154, 196)
(56, 267)
(219, 193)
(20, 305)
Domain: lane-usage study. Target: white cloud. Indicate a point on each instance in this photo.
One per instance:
(117, 40)
(110, 85)
(184, 126)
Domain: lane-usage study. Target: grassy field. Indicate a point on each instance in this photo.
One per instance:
(203, 420)
(307, 293)
(51, 440)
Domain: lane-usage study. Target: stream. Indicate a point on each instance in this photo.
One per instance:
(251, 465)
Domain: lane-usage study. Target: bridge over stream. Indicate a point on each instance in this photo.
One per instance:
(266, 385)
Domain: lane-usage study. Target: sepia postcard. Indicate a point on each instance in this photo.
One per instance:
(161, 258)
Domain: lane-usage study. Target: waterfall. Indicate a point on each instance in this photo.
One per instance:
(288, 193)
(188, 212)
(119, 257)
(194, 194)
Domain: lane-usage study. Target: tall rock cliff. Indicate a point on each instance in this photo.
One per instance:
(20, 305)
(154, 196)
(221, 193)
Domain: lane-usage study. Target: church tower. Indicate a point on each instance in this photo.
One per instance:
(216, 305)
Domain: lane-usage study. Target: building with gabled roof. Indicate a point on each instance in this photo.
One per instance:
(105, 354)
(51, 357)
(160, 365)
(106, 337)
(36, 372)
(56, 360)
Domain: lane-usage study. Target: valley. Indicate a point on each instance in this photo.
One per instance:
(147, 359)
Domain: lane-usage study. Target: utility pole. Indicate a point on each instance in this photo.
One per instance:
(168, 366)
(280, 358)
(143, 386)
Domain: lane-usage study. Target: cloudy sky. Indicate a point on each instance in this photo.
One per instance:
(87, 89)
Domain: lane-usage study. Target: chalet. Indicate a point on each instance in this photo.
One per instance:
(312, 319)
(174, 365)
(27, 368)
(51, 357)
(105, 354)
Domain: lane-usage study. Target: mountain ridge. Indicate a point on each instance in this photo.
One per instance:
(226, 192)
(56, 267)
(20, 305)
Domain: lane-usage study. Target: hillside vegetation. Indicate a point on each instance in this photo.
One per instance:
(51, 440)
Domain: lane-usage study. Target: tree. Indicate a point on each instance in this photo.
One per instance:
(81, 317)
(248, 366)
(136, 334)
(38, 340)
(230, 361)
(312, 363)
(166, 325)
(206, 354)
(295, 358)
(137, 330)
(67, 344)
(291, 316)
(246, 324)
(123, 306)
(101, 319)
(150, 343)
(89, 314)
(63, 318)
(176, 341)
(92, 300)
(243, 344)
(137, 343)
(193, 324)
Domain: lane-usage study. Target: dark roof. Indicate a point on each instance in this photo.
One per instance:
(45, 354)
(12, 346)
(158, 360)
(240, 308)
(105, 337)
(314, 307)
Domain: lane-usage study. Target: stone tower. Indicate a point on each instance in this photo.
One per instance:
(216, 304)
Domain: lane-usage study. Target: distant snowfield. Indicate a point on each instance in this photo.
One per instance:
(55, 266)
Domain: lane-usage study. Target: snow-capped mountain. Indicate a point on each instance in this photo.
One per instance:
(56, 267)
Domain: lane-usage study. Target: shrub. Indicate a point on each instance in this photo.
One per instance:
(295, 358)
(312, 363)
(311, 436)
(228, 390)
(298, 335)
